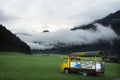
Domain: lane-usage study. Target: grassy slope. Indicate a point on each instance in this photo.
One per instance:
(37, 67)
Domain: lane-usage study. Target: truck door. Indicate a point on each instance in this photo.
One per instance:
(65, 64)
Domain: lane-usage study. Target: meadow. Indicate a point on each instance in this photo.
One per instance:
(18, 66)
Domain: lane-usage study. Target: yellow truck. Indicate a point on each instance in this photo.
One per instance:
(84, 62)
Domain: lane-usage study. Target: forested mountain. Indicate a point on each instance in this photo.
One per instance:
(112, 20)
(10, 42)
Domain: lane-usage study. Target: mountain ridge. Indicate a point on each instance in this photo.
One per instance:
(112, 20)
(10, 42)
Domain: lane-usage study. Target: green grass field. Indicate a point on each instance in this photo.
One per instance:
(17, 66)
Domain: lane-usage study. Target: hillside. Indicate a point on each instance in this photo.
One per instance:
(111, 48)
(112, 20)
(9, 42)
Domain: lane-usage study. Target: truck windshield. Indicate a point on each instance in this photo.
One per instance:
(65, 60)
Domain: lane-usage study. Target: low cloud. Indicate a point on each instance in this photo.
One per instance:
(68, 37)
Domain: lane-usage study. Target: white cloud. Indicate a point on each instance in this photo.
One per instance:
(68, 37)
(37, 46)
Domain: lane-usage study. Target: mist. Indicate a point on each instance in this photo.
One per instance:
(68, 37)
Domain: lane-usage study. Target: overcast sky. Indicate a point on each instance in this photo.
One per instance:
(37, 15)
(34, 16)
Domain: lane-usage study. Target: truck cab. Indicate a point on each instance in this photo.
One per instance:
(83, 62)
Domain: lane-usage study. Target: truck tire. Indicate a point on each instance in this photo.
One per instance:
(84, 73)
(66, 71)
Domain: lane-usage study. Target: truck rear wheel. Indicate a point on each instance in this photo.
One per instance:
(84, 73)
(66, 71)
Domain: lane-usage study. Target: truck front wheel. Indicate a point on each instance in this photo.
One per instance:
(84, 73)
(66, 71)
